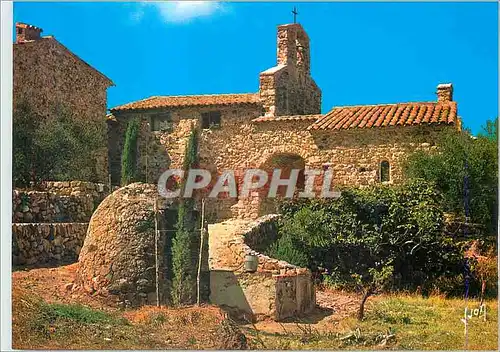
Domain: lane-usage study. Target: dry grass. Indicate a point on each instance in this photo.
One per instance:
(393, 322)
(46, 315)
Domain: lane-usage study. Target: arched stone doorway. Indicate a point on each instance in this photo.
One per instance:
(286, 162)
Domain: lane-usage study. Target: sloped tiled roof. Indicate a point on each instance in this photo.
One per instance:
(190, 100)
(403, 114)
(288, 118)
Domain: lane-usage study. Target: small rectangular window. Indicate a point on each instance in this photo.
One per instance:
(385, 171)
(161, 122)
(19, 31)
(210, 119)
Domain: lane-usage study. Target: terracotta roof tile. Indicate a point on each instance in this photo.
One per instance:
(403, 114)
(288, 118)
(190, 100)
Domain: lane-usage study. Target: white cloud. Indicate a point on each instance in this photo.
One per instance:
(179, 11)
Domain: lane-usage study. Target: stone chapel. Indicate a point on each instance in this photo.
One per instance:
(280, 125)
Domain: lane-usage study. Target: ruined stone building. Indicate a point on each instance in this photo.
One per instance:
(281, 125)
(48, 75)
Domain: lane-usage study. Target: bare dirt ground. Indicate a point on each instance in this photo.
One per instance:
(57, 285)
(331, 308)
(148, 327)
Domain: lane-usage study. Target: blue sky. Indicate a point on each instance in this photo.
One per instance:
(361, 53)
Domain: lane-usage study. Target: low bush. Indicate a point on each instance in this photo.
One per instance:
(74, 312)
(463, 165)
(381, 237)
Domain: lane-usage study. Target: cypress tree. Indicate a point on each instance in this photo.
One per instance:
(183, 265)
(129, 154)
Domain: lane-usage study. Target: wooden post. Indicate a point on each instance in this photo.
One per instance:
(147, 154)
(157, 266)
(202, 231)
(466, 344)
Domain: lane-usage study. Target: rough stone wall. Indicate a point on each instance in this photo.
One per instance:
(354, 156)
(49, 207)
(47, 74)
(288, 88)
(36, 243)
(98, 191)
(157, 151)
(58, 201)
(277, 289)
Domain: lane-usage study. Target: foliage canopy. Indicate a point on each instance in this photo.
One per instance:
(370, 238)
(463, 164)
(60, 147)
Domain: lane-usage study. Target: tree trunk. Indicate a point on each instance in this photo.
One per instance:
(483, 289)
(361, 312)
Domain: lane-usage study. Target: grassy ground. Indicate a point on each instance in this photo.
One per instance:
(404, 322)
(40, 325)
(393, 322)
(48, 314)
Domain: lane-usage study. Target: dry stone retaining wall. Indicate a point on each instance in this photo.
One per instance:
(36, 243)
(50, 223)
(48, 207)
(96, 190)
(65, 201)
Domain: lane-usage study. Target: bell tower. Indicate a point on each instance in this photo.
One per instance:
(288, 88)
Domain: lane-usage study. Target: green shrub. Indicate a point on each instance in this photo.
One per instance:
(59, 147)
(390, 235)
(460, 155)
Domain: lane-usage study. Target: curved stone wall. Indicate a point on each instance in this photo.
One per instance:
(277, 289)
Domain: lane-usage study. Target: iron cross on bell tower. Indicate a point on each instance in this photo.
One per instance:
(295, 13)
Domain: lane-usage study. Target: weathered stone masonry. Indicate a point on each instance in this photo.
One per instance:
(47, 74)
(38, 243)
(277, 289)
(283, 119)
(49, 225)
(288, 88)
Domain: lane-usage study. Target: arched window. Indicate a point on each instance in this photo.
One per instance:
(385, 171)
